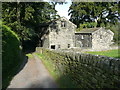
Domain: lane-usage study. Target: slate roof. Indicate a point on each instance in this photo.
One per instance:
(88, 30)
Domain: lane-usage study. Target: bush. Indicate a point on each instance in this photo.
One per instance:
(116, 30)
(11, 55)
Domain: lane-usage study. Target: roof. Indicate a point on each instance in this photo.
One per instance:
(61, 18)
(88, 30)
(64, 18)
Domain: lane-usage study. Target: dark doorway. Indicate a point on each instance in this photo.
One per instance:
(68, 45)
(52, 46)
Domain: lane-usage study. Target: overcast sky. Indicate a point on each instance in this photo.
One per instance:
(63, 9)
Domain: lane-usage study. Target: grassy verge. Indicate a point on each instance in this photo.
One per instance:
(63, 81)
(29, 55)
(49, 65)
(109, 53)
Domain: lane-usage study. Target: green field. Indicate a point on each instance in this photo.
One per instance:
(109, 53)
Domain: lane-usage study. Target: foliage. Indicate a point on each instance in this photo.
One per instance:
(29, 55)
(11, 54)
(116, 30)
(100, 12)
(87, 25)
(24, 17)
(109, 53)
(96, 14)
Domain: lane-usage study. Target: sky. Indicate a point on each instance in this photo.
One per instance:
(63, 9)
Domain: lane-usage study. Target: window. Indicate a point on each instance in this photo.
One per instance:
(63, 24)
(68, 45)
(52, 46)
(82, 37)
(58, 46)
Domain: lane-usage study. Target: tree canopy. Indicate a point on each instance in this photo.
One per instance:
(100, 12)
(23, 17)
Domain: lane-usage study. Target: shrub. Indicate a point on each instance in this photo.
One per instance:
(11, 55)
(116, 30)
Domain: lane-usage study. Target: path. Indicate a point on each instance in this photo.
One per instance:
(33, 75)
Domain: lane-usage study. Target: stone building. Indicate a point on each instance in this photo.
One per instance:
(58, 34)
(95, 38)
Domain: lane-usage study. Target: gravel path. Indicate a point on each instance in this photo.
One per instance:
(33, 75)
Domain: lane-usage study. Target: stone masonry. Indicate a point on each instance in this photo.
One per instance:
(60, 34)
(95, 38)
(85, 70)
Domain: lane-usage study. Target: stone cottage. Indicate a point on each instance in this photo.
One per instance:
(95, 38)
(58, 34)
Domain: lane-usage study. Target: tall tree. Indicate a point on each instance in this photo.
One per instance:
(102, 12)
(23, 17)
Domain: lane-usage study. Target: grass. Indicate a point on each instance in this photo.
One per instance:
(109, 53)
(49, 65)
(63, 81)
(29, 55)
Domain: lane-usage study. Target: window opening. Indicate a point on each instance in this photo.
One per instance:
(68, 45)
(52, 46)
(63, 24)
(82, 37)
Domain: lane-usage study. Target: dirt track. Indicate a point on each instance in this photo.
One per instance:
(33, 75)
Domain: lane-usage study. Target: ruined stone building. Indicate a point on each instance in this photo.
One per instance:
(60, 34)
(95, 38)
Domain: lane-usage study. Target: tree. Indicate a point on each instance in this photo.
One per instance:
(101, 12)
(12, 57)
(23, 17)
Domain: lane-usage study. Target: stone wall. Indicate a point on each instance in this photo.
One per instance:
(46, 42)
(83, 40)
(86, 70)
(99, 39)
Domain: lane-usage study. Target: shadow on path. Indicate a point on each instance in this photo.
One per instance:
(23, 64)
(33, 74)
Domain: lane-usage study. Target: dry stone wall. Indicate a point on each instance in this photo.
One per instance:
(86, 70)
